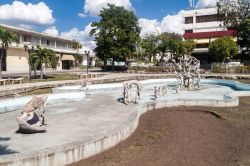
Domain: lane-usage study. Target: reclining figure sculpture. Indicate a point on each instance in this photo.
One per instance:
(127, 94)
(29, 121)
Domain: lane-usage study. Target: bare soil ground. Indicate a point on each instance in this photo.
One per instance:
(188, 136)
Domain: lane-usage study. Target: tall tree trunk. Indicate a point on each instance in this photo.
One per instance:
(35, 72)
(41, 71)
(113, 64)
(29, 65)
(105, 65)
(1, 59)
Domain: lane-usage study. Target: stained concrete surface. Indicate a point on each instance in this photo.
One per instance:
(99, 114)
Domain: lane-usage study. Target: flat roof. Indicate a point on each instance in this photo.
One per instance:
(17, 29)
(199, 12)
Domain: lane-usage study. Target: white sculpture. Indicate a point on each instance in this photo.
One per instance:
(160, 91)
(127, 91)
(29, 121)
(187, 72)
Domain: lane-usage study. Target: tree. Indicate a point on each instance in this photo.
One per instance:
(44, 57)
(150, 46)
(76, 45)
(223, 49)
(244, 36)
(233, 12)
(186, 47)
(169, 42)
(34, 62)
(236, 15)
(6, 38)
(116, 34)
(78, 59)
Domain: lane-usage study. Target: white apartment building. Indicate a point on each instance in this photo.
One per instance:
(16, 58)
(203, 26)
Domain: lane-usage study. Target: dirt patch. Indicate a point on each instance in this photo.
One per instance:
(184, 136)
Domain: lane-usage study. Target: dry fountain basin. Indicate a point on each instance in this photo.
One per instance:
(82, 122)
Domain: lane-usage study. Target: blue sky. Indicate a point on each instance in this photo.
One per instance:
(72, 18)
(66, 11)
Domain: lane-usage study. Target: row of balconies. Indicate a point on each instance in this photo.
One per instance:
(208, 26)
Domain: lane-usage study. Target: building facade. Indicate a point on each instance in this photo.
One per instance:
(204, 26)
(16, 57)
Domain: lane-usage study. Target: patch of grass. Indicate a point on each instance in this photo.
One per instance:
(37, 92)
(55, 77)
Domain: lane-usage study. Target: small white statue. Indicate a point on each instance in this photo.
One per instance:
(127, 91)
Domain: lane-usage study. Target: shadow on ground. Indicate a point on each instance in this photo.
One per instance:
(4, 148)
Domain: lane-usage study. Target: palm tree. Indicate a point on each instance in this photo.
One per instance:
(43, 57)
(78, 59)
(34, 62)
(6, 39)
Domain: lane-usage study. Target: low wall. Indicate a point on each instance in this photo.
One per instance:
(27, 87)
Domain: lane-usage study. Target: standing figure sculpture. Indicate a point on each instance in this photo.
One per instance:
(160, 91)
(187, 72)
(127, 91)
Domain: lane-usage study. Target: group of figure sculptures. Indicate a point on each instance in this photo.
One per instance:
(187, 72)
(128, 94)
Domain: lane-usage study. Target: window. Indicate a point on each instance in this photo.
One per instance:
(26, 38)
(189, 31)
(203, 45)
(188, 20)
(207, 18)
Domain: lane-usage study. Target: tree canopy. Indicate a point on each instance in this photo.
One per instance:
(43, 57)
(233, 12)
(6, 39)
(116, 34)
(150, 47)
(236, 15)
(223, 49)
(166, 43)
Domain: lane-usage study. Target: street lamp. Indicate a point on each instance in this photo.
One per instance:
(87, 53)
(29, 50)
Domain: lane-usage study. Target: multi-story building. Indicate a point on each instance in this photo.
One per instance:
(204, 26)
(16, 58)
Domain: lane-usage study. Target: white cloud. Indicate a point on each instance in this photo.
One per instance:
(51, 31)
(173, 23)
(206, 3)
(82, 36)
(93, 7)
(19, 13)
(149, 26)
(170, 23)
(82, 15)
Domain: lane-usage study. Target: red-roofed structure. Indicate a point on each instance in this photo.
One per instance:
(205, 35)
